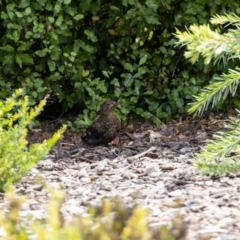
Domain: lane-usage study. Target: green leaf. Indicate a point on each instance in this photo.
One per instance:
(42, 2)
(49, 6)
(72, 58)
(61, 68)
(10, 7)
(163, 50)
(90, 91)
(56, 54)
(8, 59)
(185, 74)
(53, 35)
(83, 56)
(4, 15)
(59, 20)
(78, 17)
(149, 92)
(26, 58)
(18, 60)
(24, 3)
(167, 61)
(55, 76)
(115, 82)
(129, 67)
(24, 46)
(73, 54)
(105, 73)
(161, 114)
(16, 35)
(11, 15)
(41, 53)
(34, 94)
(51, 65)
(41, 89)
(66, 54)
(84, 5)
(28, 34)
(19, 14)
(114, 8)
(139, 111)
(51, 19)
(103, 88)
(8, 48)
(88, 48)
(125, 3)
(28, 10)
(91, 35)
(38, 83)
(85, 73)
(143, 60)
(128, 80)
(117, 92)
(152, 20)
(142, 70)
(67, 2)
(57, 8)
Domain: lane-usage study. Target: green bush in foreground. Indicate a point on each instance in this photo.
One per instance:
(15, 158)
(112, 221)
(212, 45)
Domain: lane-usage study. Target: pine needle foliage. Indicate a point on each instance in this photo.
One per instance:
(16, 159)
(219, 89)
(213, 46)
(216, 159)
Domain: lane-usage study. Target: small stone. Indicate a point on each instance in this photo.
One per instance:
(152, 155)
(138, 181)
(106, 188)
(167, 167)
(185, 150)
(176, 193)
(221, 203)
(85, 180)
(169, 203)
(233, 204)
(90, 156)
(232, 175)
(154, 174)
(38, 187)
(224, 222)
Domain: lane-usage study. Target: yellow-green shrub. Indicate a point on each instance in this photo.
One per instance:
(112, 221)
(15, 158)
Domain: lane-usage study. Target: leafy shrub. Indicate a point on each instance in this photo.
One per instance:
(212, 45)
(15, 158)
(112, 221)
(87, 51)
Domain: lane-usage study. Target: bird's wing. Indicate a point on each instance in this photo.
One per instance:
(97, 130)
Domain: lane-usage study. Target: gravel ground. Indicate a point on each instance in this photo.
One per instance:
(152, 168)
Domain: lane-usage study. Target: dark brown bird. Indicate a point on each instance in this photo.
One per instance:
(106, 127)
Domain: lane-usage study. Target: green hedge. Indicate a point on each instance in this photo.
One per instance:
(87, 51)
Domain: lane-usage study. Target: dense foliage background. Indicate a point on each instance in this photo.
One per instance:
(87, 51)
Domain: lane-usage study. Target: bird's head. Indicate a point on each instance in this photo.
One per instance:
(108, 106)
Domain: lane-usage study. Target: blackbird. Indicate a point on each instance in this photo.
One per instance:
(106, 127)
